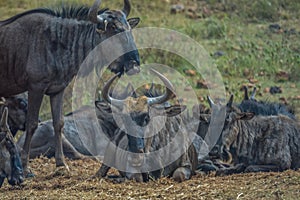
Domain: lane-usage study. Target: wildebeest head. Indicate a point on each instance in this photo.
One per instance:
(264, 108)
(112, 22)
(136, 114)
(219, 109)
(10, 162)
(226, 143)
(17, 113)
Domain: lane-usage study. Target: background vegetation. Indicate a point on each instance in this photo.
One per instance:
(254, 43)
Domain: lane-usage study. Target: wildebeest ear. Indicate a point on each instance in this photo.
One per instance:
(133, 22)
(174, 110)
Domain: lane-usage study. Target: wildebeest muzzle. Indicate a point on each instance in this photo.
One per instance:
(17, 176)
(128, 63)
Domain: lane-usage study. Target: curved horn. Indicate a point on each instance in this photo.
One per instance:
(127, 7)
(246, 97)
(2, 101)
(105, 92)
(150, 91)
(170, 91)
(130, 91)
(252, 97)
(229, 104)
(210, 102)
(94, 11)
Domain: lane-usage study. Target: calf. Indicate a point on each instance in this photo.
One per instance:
(10, 162)
(84, 134)
(253, 143)
(142, 136)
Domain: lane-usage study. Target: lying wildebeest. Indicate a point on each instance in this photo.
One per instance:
(41, 51)
(263, 107)
(142, 137)
(253, 143)
(10, 162)
(81, 138)
(17, 114)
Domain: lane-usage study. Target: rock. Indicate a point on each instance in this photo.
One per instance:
(275, 28)
(190, 72)
(275, 90)
(219, 53)
(177, 8)
(282, 76)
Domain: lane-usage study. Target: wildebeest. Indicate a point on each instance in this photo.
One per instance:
(142, 137)
(264, 108)
(10, 162)
(41, 51)
(253, 143)
(17, 114)
(80, 139)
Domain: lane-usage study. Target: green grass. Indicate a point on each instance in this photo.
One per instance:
(239, 28)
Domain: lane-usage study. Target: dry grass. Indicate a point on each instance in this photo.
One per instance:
(79, 185)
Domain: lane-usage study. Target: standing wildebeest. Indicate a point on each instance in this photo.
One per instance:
(41, 51)
(10, 162)
(255, 143)
(17, 114)
(142, 141)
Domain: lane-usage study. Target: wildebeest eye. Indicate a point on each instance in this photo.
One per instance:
(113, 26)
(22, 104)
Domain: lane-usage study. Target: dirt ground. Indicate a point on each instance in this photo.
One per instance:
(79, 185)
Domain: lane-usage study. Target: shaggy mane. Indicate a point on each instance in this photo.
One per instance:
(69, 12)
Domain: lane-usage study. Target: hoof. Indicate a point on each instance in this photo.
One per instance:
(221, 172)
(1, 181)
(116, 179)
(28, 173)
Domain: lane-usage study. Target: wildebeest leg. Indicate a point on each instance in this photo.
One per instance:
(34, 103)
(262, 168)
(206, 166)
(47, 150)
(102, 172)
(56, 102)
(71, 152)
(1, 180)
(239, 168)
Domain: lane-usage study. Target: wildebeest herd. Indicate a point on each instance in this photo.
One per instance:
(42, 57)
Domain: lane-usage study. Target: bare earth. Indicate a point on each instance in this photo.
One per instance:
(79, 185)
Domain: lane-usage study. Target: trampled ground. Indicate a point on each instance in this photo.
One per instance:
(247, 51)
(79, 185)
